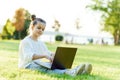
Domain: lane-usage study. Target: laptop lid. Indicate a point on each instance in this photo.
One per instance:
(64, 57)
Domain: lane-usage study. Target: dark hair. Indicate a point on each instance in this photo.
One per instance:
(39, 20)
(34, 22)
(33, 17)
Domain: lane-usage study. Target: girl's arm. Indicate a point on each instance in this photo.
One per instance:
(35, 56)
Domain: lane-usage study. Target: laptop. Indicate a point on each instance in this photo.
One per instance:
(63, 59)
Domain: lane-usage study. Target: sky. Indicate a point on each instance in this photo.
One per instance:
(65, 11)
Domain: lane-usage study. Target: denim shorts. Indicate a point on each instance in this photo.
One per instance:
(34, 66)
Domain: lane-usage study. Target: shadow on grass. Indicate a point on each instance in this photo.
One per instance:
(37, 75)
(78, 77)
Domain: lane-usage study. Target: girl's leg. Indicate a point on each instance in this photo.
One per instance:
(88, 68)
(34, 66)
(72, 72)
(57, 71)
(76, 71)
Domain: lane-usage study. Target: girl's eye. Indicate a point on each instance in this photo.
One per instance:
(39, 28)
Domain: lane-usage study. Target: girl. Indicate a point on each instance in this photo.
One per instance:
(31, 50)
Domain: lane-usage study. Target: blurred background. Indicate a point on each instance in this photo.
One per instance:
(68, 21)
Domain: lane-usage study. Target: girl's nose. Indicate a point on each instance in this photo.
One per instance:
(40, 30)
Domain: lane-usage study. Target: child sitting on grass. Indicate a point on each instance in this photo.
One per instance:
(31, 49)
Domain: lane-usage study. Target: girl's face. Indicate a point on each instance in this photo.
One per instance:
(38, 29)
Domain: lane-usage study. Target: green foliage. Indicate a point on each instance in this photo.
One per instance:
(24, 32)
(8, 30)
(111, 16)
(59, 37)
(105, 61)
(20, 34)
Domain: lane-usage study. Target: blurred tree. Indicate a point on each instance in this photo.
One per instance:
(59, 38)
(19, 19)
(18, 22)
(111, 16)
(21, 22)
(0, 36)
(56, 25)
(77, 23)
(26, 24)
(8, 30)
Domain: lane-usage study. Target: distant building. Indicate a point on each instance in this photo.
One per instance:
(49, 36)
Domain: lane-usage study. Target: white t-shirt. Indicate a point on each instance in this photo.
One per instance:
(28, 48)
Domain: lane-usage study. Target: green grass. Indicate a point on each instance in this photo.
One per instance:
(105, 61)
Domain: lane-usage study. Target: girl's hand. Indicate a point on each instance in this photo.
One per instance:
(49, 58)
(52, 55)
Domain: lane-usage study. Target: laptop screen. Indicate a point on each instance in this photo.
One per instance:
(64, 57)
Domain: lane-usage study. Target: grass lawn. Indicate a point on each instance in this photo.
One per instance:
(105, 61)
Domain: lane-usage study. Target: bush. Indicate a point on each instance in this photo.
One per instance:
(59, 38)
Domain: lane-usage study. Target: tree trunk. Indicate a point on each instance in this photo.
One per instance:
(19, 35)
(116, 38)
